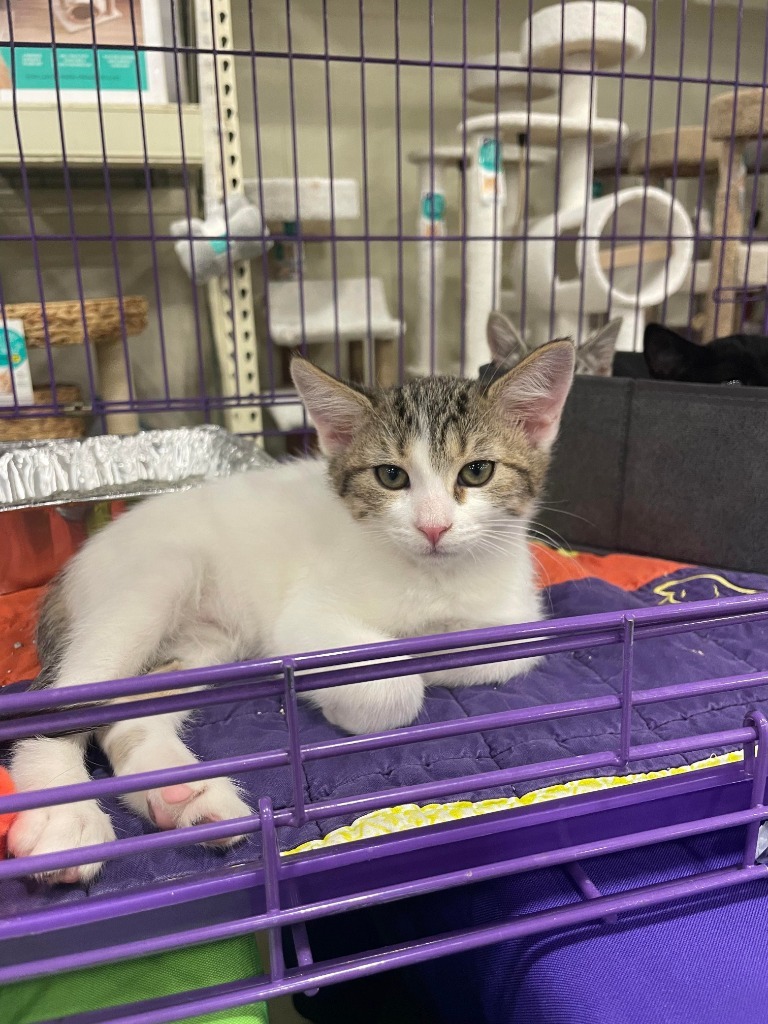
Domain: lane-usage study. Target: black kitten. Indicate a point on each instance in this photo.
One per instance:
(737, 359)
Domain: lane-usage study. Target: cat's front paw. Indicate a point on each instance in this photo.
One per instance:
(478, 675)
(53, 829)
(373, 706)
(196, 803)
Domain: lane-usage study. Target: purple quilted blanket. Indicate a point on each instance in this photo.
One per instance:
(229, 730)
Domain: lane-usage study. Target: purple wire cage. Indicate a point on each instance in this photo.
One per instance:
(286, 893)
(284, 101)
(277, 102)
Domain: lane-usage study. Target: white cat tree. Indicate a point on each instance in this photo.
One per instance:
(345, 317)
(428, 351)
(576, 38)
(431, 226)
(494, 198)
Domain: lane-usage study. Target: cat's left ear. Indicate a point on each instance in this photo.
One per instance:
(336, 410)
(534, 393)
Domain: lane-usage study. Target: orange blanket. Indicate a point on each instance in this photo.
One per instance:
(18, 612)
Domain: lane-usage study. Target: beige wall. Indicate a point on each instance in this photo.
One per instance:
(643, 106)
(312, 127)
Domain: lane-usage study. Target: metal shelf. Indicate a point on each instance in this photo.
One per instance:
(123, 143)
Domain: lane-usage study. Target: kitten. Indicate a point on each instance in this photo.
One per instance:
(414, 522)
(736, 359)
(508, 348)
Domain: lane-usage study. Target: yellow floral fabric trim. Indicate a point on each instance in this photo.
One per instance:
(407, 816)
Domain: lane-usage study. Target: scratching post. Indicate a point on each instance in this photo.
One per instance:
(543, 130)
(578, 38)
(720, 314)
(672, 155)
(486, 197)
(576, 153)
(734, 119)
(107, 323)
(493, 196)
(431, 220)
(433, 165)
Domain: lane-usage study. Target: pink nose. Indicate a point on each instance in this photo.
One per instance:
(434, 533)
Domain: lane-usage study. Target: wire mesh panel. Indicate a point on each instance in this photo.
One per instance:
(364, 182)
(192, 191)
(264, 889)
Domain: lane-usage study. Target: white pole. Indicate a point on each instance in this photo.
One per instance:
(431, 259)
(576, 153)
(485, 205)
(575, 179)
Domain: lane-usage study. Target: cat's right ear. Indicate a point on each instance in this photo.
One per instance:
(668, 355)
(533, 395)
(505, 341)
(335, 409)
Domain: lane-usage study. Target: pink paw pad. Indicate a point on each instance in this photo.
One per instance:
(177, 794)
(69, 876)
(164, 805)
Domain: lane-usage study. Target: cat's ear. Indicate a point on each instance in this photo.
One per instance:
(595, 356)
(505, 341)
(668, 355)
(534, 393)
(335, 409)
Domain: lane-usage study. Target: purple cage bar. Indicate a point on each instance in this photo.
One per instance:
(664, 87)
(285, 893)
(288, 892)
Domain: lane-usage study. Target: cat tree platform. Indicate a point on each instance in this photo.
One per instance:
(672, 153)
(353, 313)
(46, 428)
(308, 199)
(544, 129)
(316, 312)
(512, 87)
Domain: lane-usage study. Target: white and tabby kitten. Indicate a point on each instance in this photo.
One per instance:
(413, 522)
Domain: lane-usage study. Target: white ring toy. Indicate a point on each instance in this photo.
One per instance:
(624, 279)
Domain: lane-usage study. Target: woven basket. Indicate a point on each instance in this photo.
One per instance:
(65, 320)
(42, 428)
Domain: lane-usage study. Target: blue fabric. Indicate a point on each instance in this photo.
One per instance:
(229, 730)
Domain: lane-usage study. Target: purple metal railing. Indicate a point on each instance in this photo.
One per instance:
(289, 892)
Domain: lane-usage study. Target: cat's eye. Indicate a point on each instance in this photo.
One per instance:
(392, 477)
(475, 474)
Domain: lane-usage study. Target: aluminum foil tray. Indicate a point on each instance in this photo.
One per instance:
(38, 473)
